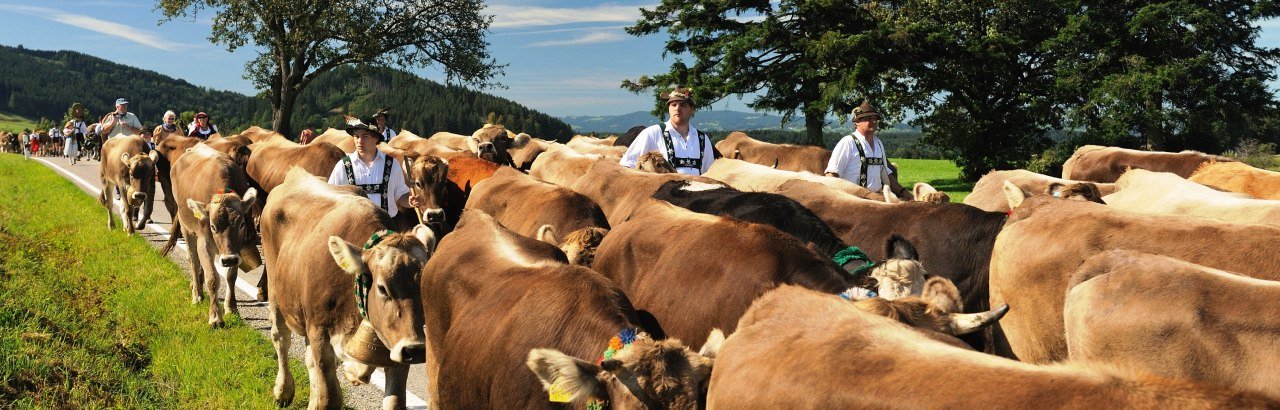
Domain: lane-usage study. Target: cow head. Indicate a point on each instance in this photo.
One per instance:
(142, 174)
(230, 220)
(1077, 191)
(927, 193)
(492, 142)
(900, 275)
(391, 265)
(654, 162)
(579, 246)
(936, 308)
(428, 179)
(645, 374)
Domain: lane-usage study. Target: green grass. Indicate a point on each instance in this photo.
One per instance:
(941, 173)
(90, 318)
(15, 123)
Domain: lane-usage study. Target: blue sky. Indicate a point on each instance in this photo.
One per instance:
(565, 57)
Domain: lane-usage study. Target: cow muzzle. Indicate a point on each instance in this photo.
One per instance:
(433, 216)
(487, 147)
(139, 196)
(229, 261)
(409, 352)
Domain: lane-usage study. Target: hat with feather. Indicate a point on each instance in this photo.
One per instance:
(354, 124)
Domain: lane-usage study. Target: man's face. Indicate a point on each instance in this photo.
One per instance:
(366, 141)
(681, 111)
(381, 120)
(169, 119)
(868, 127)
(122, 108)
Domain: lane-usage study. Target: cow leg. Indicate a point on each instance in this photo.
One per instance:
(321, 365)
(397, 378)
(108, 201)
(211, 279)
(193, 257)
(281, 337)
(250, 259)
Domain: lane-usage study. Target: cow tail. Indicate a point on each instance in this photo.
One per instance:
(173, 238)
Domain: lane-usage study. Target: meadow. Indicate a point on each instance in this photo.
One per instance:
(941, 173)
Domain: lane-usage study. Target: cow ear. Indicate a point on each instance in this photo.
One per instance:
(1014, 195)
(521, 140)
(942, 294)
(562, 374)
(125, 158)
(197, 208)
(889, 196)
(250, 196)
(346, 255)
(427, 237)
(1055, 189)
(154, 156)
(547, 233)
(712, 346)
(899, 248)
(921, 189)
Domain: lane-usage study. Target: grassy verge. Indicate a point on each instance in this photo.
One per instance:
(942, 174)
(92, 318)
(15, 123)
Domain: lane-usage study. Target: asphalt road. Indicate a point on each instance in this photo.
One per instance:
(86, 175)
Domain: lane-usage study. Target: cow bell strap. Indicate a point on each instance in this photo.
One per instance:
(364, 281)
(683, 162)
(853, 253)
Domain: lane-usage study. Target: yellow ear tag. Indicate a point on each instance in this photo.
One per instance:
(559, 394)
(198, 214)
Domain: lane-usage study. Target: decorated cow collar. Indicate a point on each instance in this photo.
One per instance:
(364, 281)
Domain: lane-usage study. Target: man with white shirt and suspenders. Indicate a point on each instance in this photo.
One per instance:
(688, 150)
(378, 174)
(860, 157)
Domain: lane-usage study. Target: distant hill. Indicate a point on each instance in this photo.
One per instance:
(36, 84)
(708, 120)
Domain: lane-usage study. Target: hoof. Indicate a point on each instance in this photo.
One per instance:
(262, 295)
(216, 323)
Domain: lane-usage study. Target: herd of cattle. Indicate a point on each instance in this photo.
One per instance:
(538, 274)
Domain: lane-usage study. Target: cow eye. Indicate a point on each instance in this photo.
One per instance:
(383, 291)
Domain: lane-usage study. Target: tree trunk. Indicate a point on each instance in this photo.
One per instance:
(283, 112)
(813, 122)
(1154, 129)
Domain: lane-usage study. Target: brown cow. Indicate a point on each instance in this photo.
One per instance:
(310, 232)
(796, 348)
(746, 176)
(1175, 319)
(787, 157)
(1239, 177)
(988, 193)
(585, 146)
(217, 224)
(696, 272)
(270, 161)
(1046, 239)
(491, 142)
(523, 157)
(541, 210)
(587, 139)
(463, 175)
(127, 171)
(172, 148)
(1149, 192)
(620, 190)
(499, 299)
(1106, 164)
(562, 166)
(409, 141)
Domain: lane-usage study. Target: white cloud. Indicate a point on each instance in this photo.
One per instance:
(508, 16)
(143, 37)
(589, 38)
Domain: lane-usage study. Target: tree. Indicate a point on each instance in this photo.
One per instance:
(984, 88)
(813, 57)
(300, 40)
(1169, 75)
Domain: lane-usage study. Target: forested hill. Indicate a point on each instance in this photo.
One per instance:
(38, 84)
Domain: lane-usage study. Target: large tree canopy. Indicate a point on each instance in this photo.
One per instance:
(301, 39)
(814, 57)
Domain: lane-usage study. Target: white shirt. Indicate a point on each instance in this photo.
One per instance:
(372, 174)
(651, 140)
(846, 162)
(388, 134)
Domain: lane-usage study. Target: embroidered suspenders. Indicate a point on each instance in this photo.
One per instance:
(862, 155)
(380, 189)
(678, 162)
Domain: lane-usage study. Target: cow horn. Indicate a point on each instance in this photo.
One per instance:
(965, 323)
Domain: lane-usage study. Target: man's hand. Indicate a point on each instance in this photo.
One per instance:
(414, 200)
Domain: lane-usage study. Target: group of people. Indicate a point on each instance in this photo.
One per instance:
(859, 157)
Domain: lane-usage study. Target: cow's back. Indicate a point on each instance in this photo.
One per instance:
(113, 166)
(1239, 177)
(1048, 238)
(988, 192)
(522, 204)
(199, 174)
(1106, 164)
(270, 163)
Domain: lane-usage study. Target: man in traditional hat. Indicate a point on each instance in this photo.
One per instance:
(120, 121)
(375, 172)
(690, 151)
(860, 157)
(380, 118)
